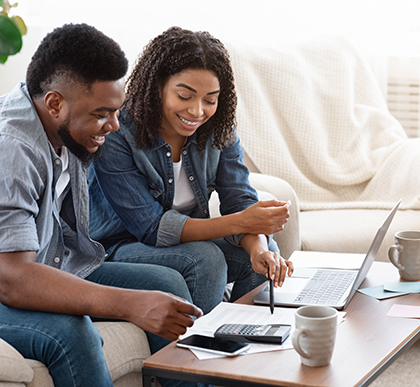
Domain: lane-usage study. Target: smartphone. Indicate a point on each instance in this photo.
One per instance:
(272, 333)
(213, 345)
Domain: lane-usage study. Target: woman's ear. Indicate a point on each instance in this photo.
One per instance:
(54, 103)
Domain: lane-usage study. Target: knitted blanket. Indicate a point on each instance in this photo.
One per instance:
(313, 115)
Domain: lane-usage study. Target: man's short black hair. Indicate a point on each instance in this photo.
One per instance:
(78, 52)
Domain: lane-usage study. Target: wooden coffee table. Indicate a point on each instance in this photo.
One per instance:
(367, 343)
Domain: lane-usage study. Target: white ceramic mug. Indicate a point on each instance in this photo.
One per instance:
(314, 336)
(405, 254)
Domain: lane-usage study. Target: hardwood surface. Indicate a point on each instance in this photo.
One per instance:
(367, 341)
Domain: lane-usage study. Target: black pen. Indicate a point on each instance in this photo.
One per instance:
(271, 292)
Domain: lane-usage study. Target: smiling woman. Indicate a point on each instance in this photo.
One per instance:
(177, 144)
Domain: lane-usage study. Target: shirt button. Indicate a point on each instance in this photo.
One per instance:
(191, 178)
(205, 211)
(56, 259)
(170, 181)
(58, 161)
(168, 154)
(184, 152)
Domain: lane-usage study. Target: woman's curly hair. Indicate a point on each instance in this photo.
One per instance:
(173, 51)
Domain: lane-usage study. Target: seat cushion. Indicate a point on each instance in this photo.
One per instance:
(13, 367)
(352, 231)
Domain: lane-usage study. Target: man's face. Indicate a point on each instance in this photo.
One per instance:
(90, 117)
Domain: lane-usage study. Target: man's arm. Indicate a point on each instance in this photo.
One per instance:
(26, 284)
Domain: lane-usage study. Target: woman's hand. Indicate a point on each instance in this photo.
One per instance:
(277, 266)
(264, 217)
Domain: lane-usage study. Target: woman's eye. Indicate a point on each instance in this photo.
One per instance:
(211, 102)
(183, 98)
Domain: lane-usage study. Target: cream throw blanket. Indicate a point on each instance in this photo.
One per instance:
(313, 115)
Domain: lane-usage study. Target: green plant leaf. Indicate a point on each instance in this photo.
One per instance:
(1, 3)
(20, 24)
(10, 37)
(3, 59)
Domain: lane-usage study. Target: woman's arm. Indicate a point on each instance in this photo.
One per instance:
(265, 217)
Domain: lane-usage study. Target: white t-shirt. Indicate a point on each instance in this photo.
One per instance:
(64, 178)
(184, 199)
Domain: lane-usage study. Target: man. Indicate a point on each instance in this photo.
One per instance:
(52, 275)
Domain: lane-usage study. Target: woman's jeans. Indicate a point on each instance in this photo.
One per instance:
(71, 346)
(206, 267)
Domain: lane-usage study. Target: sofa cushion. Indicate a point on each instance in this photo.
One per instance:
(125, 347)
(13, 367)
(352, 231)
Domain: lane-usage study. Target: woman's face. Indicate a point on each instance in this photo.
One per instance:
(189, 99)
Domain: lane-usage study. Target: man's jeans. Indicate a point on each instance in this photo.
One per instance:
(71, 346)
(206, 267)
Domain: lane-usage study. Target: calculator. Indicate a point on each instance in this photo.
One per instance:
(272, 333)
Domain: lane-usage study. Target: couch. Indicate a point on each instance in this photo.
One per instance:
(296, 153)
(313, 114)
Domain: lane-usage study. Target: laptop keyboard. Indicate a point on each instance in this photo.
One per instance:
(326, 287)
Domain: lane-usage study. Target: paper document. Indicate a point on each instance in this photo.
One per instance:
(230, 313)
(350, 261)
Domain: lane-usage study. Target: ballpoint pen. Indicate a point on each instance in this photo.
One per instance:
(271, 292)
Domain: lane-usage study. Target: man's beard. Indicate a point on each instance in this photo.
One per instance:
(74, 147)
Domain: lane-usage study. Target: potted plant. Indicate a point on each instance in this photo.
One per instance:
(11, 31)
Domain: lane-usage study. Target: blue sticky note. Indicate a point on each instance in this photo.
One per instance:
(406, 287)
(380, 293)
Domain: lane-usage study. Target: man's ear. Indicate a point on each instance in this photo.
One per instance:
(54, 103)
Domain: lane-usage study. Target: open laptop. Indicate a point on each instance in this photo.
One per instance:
(325, 286)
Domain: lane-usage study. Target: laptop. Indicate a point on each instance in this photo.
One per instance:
(326, 286)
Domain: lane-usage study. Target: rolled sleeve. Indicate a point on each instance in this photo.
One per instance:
(170, 228)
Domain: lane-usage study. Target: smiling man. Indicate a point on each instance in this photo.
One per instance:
(53, 277)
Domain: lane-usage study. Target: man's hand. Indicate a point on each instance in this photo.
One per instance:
(162, 313)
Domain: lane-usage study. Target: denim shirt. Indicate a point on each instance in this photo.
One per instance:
(132, 189)
(29, 214)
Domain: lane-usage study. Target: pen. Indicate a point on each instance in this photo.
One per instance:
(271, 293)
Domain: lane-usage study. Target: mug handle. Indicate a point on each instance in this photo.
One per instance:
(393, 256)
(295, 341)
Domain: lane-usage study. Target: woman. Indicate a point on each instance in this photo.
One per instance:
(175, 146)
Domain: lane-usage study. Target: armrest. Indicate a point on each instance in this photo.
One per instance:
(288, 239)
(13, 367)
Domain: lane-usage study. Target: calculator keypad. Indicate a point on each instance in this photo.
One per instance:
(247, 329)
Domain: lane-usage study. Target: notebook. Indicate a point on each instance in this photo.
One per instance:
(325, 285)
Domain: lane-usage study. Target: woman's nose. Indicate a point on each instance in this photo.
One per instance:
(196, 109)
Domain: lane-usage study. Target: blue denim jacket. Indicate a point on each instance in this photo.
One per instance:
(29, 214)
(138, 185)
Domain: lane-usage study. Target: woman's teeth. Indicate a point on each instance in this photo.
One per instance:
(190, 123)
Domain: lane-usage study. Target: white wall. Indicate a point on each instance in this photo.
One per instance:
(378, 26)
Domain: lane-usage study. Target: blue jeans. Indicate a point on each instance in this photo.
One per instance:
(206, 267)
(71, 346)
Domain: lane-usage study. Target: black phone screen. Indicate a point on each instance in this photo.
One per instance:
(212, 343)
